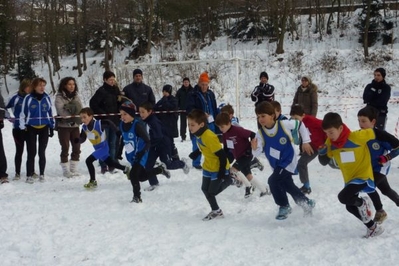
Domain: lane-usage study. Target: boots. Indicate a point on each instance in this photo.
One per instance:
(74, 167)
(65, 170)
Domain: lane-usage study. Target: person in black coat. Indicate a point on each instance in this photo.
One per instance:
(137, 91)
(377, 94)
(181, 96)
(169, 120)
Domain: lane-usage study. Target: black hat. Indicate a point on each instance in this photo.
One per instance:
(108, 74)
(264, 74)
(167, 88)
(382, 71)
(129, 108)
(137, 71)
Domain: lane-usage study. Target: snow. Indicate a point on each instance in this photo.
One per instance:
(58, 222)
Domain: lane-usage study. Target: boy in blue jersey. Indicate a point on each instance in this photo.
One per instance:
(137, 144)
(275, 141)
(367, 118)
(93, 130)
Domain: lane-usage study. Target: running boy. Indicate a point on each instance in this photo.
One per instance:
(137, 143)
(236, 141)
(353, 157)
(367, 118)
(275, 140)
(215, 168)
(93, 130)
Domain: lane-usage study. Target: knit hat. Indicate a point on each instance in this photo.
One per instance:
(203, 77)
(264, 74)
(382, 71)
(137, 71)
(129, 108)
(108, 74)
(167, 88)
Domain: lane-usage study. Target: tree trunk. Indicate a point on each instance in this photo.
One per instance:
(84, 25)
(106, 51)
(149, 25)
(77, 46)
(366, 31)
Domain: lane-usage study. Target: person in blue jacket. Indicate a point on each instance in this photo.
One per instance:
(36, 119)
(202, 98)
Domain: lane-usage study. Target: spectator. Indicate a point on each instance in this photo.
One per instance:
(377, 94)
(137, 91)
(181, 96)
(306, 95)
(3, 160)
(264, 91)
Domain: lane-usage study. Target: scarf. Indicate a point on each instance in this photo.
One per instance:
(343, 137)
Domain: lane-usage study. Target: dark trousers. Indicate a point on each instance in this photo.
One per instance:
(302, 167)
(382, 184)
(3, 160)
(113, 144)
(109, 161)
(36, 136)
(19, 140)
(211, 188)
(183, 125)
(281, 183)
(381, 121)
(68, 135)
(139, 174)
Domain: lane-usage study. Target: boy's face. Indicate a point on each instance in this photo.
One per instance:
(297, 117)
(333, 133)
(125, 117)
(224, 128)
(266, 120)
(277, 113)
(194, 126)
(364, 122)
(86, 118)
(144, 113)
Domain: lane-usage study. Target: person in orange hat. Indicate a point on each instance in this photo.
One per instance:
(202, 98)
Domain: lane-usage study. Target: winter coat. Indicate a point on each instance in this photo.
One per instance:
(15, 103)
(105, 101)
(169, 120)
(139, 93)
(262, 92)
(182, 95)
(307, 98)
(377, 94)
(36, 111)
(67, 106)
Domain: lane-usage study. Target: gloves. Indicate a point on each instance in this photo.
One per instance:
(51, 132)
(194, 154)
(383, 159)
(322, 150)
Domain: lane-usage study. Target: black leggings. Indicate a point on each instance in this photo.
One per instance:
(140, 174)
(109, 161)
(32, 135)
(382, 184)
(19, 140)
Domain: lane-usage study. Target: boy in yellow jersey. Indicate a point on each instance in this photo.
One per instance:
(351, 152)
(215, 169)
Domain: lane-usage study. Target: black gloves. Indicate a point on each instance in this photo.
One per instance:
(51, 132)
(194, 154)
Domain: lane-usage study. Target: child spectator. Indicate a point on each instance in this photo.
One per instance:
(215, 168)
(275, 140)
(317, 138)
(351, 152)
(137, 144)
(93, 130)
(36, 118)
(181, 96)
(160, 146)
(367, 118)
(236, 141)
(15, 103)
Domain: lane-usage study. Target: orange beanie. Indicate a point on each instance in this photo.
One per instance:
(203, 77)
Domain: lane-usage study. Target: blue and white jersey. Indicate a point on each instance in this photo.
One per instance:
(98, 138)
(378, 148)
(133, 144)
(36, 112)
(15, 103)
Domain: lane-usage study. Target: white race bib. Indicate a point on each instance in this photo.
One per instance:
(129, 148)
(210, 119)
(275, 153)
(90, 135)
(347, 156)
(230, 144)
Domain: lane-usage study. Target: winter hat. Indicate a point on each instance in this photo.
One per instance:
(264, 74)
(203, 77)
(129, 108)
(108, 74)
(137, 71)
(382, 71)
(167, 88)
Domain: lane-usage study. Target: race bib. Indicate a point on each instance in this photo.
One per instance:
(129, 148)
(275, 153)
(90, 135)
(347, 156)
(210, 119)
(230, 144)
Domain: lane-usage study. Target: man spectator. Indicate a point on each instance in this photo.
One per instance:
(181, 97)
(137, 91)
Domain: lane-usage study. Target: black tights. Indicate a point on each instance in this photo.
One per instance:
(90, 160)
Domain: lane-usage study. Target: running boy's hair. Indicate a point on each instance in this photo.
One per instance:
(87, 111)
(228, 108)
(222, 119)
(265, 108)
(276, 105)
(198, 116)
(297, 109)
(369, 112)
(331, 120)
(147, 106)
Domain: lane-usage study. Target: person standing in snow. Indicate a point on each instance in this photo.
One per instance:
(3, 160)
(306, 96)
(377, 95)
(68, 103)
(137, 91)
(181, 96)
(263, 92)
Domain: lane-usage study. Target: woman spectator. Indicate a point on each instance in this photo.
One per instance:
(67, 104)
(36, 118)
(306, 96)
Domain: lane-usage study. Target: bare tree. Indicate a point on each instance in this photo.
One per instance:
(366, 30)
